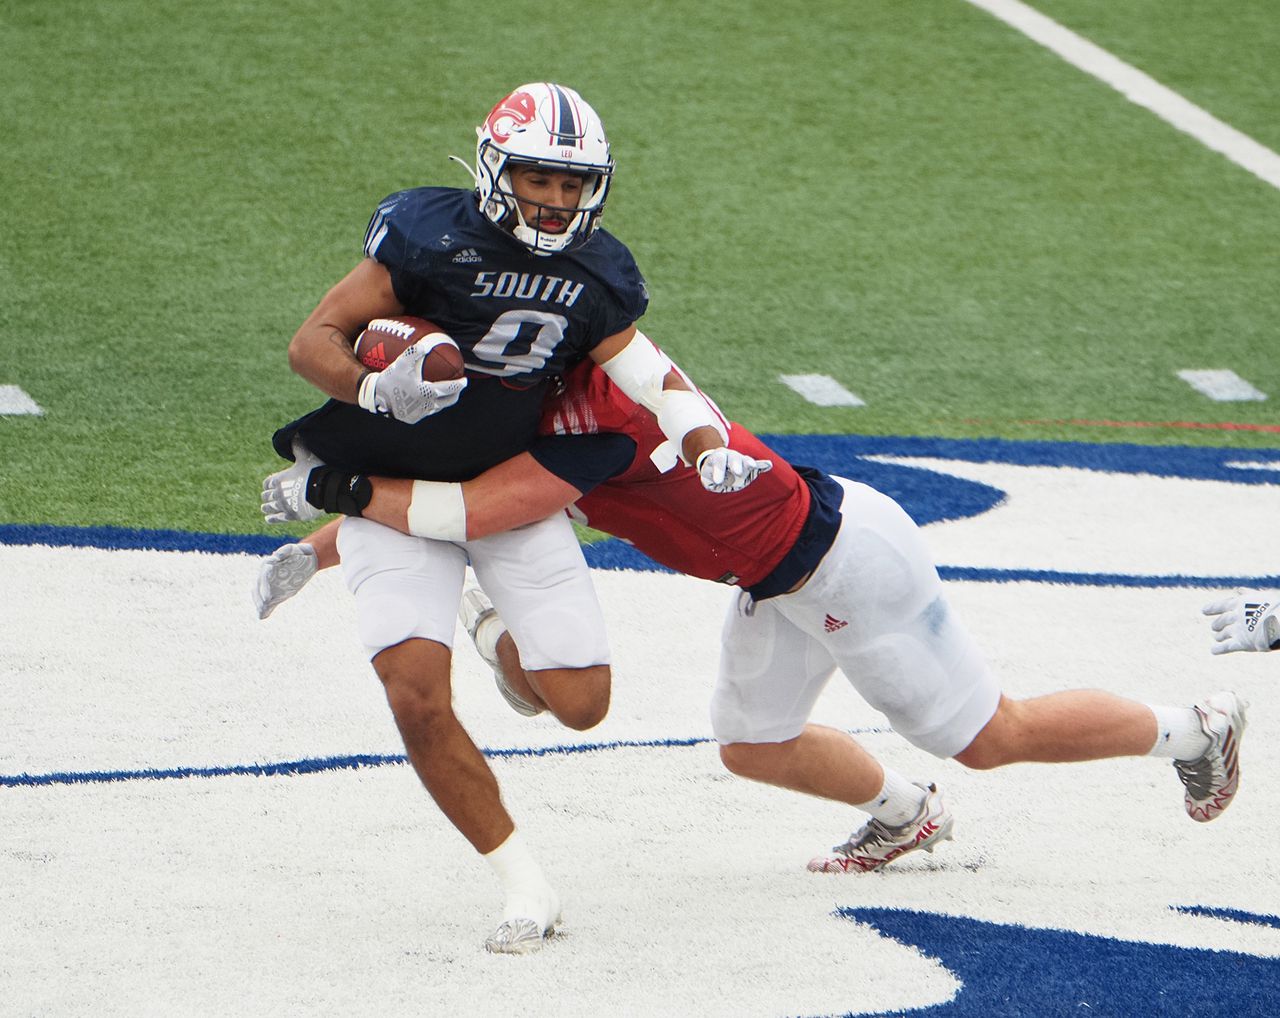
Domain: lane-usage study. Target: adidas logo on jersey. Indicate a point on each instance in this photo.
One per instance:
(832, 624)
(467, 256)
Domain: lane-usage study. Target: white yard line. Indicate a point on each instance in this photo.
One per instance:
(13, 402)
(1138, 88)
(821, 390)
(1249, 465)
(1222, 386)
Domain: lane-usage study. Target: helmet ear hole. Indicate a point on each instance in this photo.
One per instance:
(549, 126)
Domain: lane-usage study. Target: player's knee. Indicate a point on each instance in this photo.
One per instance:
(979, 757)
(736, 758)
(416, 681)
(745, 759)
(578, 697)
(990, 748)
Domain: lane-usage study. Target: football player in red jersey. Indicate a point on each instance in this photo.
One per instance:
(519, 273)
(833, 574)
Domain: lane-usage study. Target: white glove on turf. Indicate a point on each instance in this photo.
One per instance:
(400, 391)
(1247, 620)
(724, 470)
(283, 574)
(284, 493)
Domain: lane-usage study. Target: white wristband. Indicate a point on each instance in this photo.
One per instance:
(437, 510)
(682, 411)
(364, 394)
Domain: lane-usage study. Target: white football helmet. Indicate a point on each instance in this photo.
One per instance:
(551, 126)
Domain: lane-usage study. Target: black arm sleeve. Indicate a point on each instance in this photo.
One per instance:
(584, 460)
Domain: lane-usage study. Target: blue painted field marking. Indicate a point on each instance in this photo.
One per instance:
(1024, 972)
(1234, 915)
(927, 495)
(352, 762)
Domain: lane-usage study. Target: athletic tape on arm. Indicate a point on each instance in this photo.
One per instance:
(437, 510)
(639, 370)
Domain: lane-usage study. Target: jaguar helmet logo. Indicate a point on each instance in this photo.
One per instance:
(516, 110)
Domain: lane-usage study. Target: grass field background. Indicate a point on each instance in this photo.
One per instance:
(906, 195)
(910, 197)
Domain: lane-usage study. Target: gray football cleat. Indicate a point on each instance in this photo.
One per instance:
(1212, 780)
(518, 936)
(874, 845)
(480, 620)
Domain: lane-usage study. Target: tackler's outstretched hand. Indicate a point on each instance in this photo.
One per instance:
(1246, 620)
(725, 470)
(284, 573)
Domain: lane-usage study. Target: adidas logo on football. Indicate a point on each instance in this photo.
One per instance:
(467, 256)
(831, 624)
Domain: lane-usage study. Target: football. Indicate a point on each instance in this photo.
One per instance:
(385, 339)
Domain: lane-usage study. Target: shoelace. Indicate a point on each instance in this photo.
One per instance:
(1199, 776)
(873, 832)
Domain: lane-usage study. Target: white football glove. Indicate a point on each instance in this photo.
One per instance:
(284, 493)
(283, 574)
(1247, 620)
(400, 391)
(724, 470)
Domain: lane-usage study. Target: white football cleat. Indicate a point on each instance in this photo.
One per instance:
(1212, 780)
(284, 573)
(518, 936)
(874, 845)
(520, 932)
(480, 620)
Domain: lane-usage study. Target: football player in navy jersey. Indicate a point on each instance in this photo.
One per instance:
(521, 276)
(833, 574)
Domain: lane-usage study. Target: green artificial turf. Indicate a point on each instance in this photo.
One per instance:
(958, 226)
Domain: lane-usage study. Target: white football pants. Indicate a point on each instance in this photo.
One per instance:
(536, 576)
(874, 608)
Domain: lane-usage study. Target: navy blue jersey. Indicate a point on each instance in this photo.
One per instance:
(490, 422)
(520, 319)
(515, 315)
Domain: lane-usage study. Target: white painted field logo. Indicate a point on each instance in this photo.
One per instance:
(1054, 555)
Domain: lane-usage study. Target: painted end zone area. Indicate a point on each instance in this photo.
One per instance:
(208, 814)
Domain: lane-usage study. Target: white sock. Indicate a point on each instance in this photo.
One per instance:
(899, 800)
(527, 893)
(1178, 734)
(488, 633)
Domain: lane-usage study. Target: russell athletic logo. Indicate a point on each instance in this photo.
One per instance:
(831, 624)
